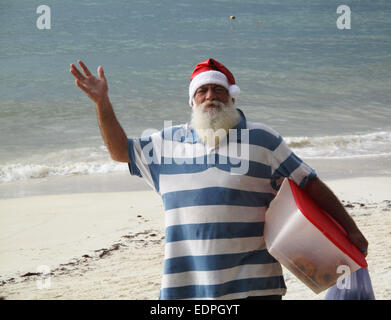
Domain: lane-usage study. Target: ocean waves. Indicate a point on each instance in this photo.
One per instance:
(79, 161)
(96, 160)
(374, 144)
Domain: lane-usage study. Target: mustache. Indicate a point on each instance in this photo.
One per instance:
(216, 103)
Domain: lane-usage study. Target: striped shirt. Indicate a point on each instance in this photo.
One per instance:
(215, 199)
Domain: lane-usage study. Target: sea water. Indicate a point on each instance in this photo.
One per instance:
(325, 90)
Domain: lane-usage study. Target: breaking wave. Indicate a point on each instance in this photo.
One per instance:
(342, 146)
(79, 161)
(84, 161)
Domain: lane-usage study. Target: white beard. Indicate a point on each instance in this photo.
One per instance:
(213, 124)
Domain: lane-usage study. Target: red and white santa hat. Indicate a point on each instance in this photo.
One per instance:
(212, 71)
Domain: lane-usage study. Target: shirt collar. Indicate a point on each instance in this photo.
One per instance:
(242, 123)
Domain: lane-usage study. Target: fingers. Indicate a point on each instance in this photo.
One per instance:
(80, 85)
(84, 89)
(84, 67)
(76, 73)
(101, 73)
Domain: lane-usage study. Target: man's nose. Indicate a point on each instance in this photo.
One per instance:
(210, 94)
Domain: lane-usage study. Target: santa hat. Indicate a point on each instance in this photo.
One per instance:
(212, 71)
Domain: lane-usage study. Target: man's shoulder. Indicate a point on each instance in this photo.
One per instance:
(262, 135)
(165, 133)
(261, 129)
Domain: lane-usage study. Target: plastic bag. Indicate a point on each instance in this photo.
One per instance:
(356, 286)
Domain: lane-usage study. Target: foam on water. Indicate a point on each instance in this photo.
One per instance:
(342, 146)
(84, 161)
(80, 161)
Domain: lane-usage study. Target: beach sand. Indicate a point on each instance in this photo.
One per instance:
(110, 245)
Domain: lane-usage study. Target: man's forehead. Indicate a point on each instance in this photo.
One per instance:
(213, 85)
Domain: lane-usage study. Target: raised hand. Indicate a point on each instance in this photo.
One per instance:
(95, 87)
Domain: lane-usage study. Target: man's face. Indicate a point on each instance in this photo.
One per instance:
(210, 92)
(213, 113)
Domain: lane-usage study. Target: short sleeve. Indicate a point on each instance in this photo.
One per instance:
(287, 164)
(145, 158)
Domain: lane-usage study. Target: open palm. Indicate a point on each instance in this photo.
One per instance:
(95, 87)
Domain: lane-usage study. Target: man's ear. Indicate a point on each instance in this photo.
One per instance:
(233, 100)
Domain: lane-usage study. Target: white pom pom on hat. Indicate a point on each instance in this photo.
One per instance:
(212, 71)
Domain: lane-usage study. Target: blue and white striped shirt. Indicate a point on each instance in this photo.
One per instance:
(215, 199)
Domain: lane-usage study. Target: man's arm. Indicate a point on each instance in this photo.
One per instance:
(97, 90)
(112, 132)
(327, 201)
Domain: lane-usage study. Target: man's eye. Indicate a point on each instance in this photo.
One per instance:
(201, 91)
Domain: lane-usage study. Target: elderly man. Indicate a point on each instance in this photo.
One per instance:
(215, 199)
